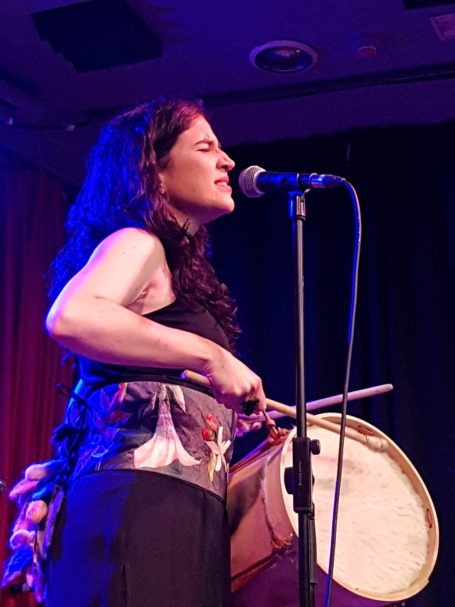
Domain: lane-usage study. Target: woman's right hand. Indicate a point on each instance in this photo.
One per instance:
(233, 382)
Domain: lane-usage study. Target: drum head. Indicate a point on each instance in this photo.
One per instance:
(387, 538)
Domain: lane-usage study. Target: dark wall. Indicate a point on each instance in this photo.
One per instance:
(404, 334)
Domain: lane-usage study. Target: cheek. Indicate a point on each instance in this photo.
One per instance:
(190, 183)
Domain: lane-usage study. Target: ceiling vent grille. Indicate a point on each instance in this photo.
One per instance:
(97, 35)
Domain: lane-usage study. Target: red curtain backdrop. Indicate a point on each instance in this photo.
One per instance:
(32, 211)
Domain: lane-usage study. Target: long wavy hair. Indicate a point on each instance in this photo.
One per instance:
(122, 189)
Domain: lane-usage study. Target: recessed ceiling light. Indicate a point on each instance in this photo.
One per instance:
(283, 56)
(367, 51)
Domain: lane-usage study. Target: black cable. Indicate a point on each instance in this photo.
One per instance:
(351, 327)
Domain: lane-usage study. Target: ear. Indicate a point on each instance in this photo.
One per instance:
(162, 183)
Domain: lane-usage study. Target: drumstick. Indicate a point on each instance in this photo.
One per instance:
(374, 443)
(329, 401)
(354, 395)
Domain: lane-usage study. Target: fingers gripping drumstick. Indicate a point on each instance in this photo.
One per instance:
(270, 423)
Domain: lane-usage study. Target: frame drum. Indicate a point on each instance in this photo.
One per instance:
(387, 539)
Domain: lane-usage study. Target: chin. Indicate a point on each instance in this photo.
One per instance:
(227, 207)
(222, 205)
(218, 211)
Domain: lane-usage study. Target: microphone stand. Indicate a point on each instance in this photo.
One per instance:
(303, 446)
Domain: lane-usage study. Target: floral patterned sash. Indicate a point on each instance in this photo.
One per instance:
(164, 427)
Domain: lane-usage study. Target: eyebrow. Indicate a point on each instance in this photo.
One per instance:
(209, 141)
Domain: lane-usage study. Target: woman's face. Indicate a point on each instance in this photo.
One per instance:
(196, 176)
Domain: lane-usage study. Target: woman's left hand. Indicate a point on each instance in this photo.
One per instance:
(248, 423)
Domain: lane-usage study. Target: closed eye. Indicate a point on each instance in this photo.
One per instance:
(207, 145)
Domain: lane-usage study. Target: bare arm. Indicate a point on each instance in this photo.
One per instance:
(93, 316)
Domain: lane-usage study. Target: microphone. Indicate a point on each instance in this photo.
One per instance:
(256, 181)
(2, 485)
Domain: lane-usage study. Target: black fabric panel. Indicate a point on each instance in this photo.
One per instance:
(139, 539)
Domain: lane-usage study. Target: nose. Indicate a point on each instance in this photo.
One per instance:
(226, 161)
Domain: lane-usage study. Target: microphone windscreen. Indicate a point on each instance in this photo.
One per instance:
(247, 181)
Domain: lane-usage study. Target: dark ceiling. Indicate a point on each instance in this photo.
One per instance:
(66, 65)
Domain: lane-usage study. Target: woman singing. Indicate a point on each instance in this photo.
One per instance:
(143, 520)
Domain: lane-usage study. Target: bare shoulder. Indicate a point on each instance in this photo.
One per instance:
(132, 243)
(128, 267)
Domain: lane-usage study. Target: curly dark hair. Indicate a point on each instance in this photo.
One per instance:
(122, 189)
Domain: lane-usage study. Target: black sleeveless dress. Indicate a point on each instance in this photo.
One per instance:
(144, 521)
